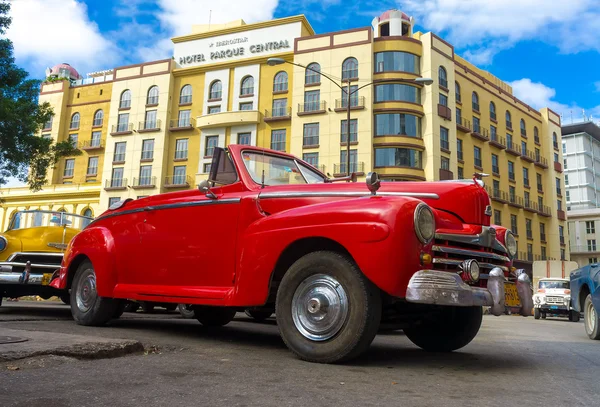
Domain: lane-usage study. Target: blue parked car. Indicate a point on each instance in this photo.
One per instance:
(585, 296)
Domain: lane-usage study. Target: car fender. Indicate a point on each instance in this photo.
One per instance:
(373, 230)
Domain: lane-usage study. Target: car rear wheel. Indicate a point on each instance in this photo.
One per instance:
(327, 311)
(87, 307)
(186, 311)
(66, 298)
(536, 313)
(258, 315)
(450, 329)
(214, 316)
(591, 319)
(574, 316)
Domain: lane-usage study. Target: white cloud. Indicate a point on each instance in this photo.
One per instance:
(597, 86)
(47, 32)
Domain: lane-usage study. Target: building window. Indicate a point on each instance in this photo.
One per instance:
(280, 82)
(566, 180)
(538, 177)
(460, 174)
(125, 100)
(353, 161)
(398, 157)
(540, 203)
(148, 149)
(443, 100)
(496, 188)
(98, 118)
(397, 61)
(567, 196)
(215, 90)
(350, 69)
(244, 138)
(311, 134)
(206, 168)
(280, 108)
(564, 147)
(152, 98)
(590, 227)
(69, 167)
(542, 232)
(556, 160)
(562, 254)
(311, 158)
(113, 200)
(537, 154)
(443, 77)
(92, 168)
(246, 106)
(561, 234)
(526, 177)
(459, 149)
(183, 119)
(512, 194)
(313, 74)
(591, 244)
(278, 139)
(181, 149)
(523, 128)
(179, 174)
(48, 124)
(593, 260)
(312, 101)
(444, 143)
(508, 120)
(509, 142)
(536, 135)
(475, 101)
(528, 229)
(527, 199)
(119, 155)
(73, 139)
(497, 217)
(211, 143)
(477, 156)
(565, 163)
(117, 177)
(559, 204)
(96, 140)
(123, 122)
(145, 175)
(514, 225)
(476, 125)
(150, 122)
(185, 95)
(523, 148)
(457, 91)
(492, 111)
(558, 190)
(397, 124)
(445, 163)
(495, 166)
(247, 87)
(458, 115)
(511, 171)
(353, 130)
(214, 109)
(353, 96)
(74, 121)
(396, 92)
(529, 252)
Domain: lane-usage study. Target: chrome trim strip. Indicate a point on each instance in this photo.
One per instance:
(281, 194)
(471, 253)
(12, 256)
(15, 278)
(486, 238)
(451, 262)
(19, 264)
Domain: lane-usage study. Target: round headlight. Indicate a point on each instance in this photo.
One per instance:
(3, 243)
(424, 223)
(511, 243)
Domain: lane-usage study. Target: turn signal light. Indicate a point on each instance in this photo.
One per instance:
(541, 290)
(567, 291)
(425, 259)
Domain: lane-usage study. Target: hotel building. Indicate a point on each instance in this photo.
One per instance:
(161, 120)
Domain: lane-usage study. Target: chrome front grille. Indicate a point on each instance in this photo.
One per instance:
(450, 258)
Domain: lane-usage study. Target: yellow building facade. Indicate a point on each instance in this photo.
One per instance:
(162, 119)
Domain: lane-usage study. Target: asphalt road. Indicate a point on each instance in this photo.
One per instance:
(514, 361)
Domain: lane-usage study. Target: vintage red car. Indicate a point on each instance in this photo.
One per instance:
(333, 259)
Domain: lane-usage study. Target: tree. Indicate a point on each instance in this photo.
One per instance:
(21, 118)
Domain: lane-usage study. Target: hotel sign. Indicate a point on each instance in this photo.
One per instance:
(263, 41)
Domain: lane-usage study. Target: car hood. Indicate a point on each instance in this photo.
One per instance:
(37, 239)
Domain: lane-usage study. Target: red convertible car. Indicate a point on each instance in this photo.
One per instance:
(334, 259)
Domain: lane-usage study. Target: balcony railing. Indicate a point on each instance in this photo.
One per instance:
(528, 156)
(497, 194)
(279, 113)
(445, 112)
(464, 125)
(312, 108)
(91, 144)
(481, 134)
(355, 103)
(513, 149)
(122, 128)
(178, 181)
(182, 124)
(541, 161)
(516, 201)
(357, 167)
(149, 125)
(557, 166)
(523, 256)
(115, 183)
(144, 182)
(497, 141)
(561, 215)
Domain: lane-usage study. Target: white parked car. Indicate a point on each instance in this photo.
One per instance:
(553, 297)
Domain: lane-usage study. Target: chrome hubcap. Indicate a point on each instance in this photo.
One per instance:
(590, 318)
(86, 292)
(319, 307)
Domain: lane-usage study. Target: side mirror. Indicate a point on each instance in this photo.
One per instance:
(204, 187)
(373, 182)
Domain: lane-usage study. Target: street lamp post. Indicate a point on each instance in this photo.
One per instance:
(279, 61)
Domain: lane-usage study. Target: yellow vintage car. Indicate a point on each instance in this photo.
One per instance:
(31, 250)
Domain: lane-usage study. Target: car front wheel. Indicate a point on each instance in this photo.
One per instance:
(536, 313)
(86, 306)
(447, 330)
(591, 319)
(214, 316)
(327, 311)
(258, 315)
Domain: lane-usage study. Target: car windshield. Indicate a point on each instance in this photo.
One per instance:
(37, 218)
(555, 284)
(278, 170)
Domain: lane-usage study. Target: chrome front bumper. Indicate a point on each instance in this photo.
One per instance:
(447, 288)
(7, 276)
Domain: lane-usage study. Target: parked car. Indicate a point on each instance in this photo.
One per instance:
(585, 297)
(332, 258)
(31, 251)
(553, 297)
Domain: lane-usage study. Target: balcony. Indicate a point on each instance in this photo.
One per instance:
(541, 162)
(356, 103)
(182, 124)
(585, 249)
(312, 108)
(357, 167)
(513, 149)
(515, 201)
(121, 129)
(561, 215)
(277, 114)
(498, 142)
(225, 119)
(445, 112)
(526, 257)
(149, 126)
(530, 206)
(544, 210)
(446, 175)
(178, 181)
(115, 184)
(463, 125)
(557, 166)
(528, 156)
(144, 182)
(497, 195)
(481, 134)
(89, 145)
